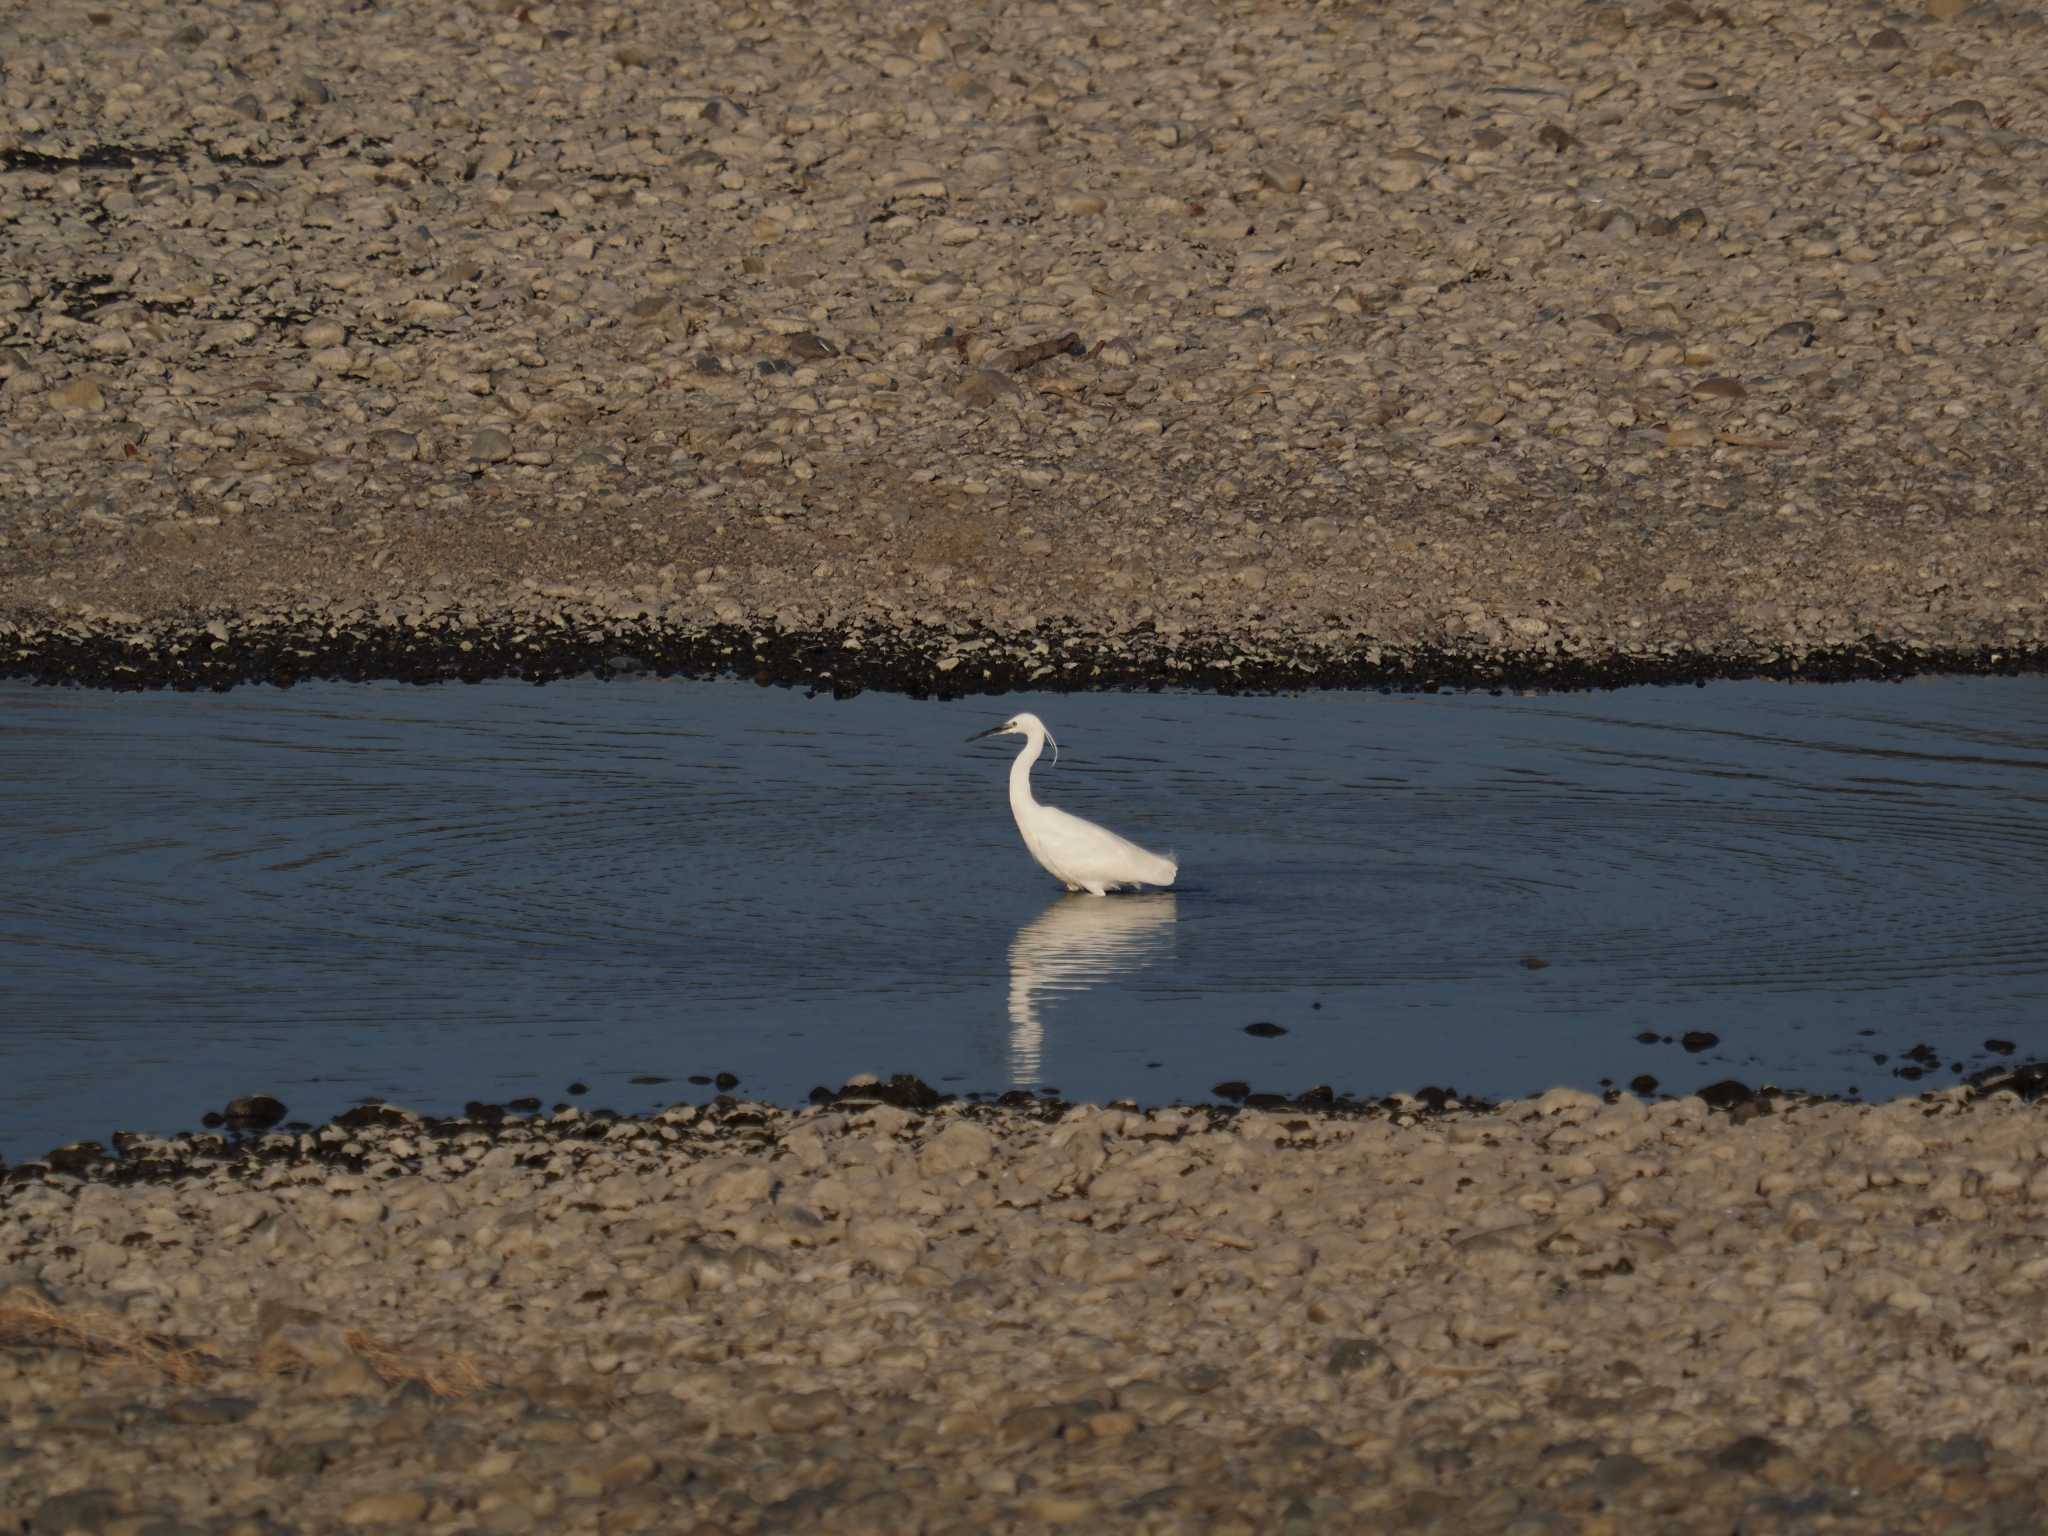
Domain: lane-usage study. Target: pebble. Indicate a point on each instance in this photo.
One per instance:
(490, 446)
(984, 388)
(78, 395)
(399, 1507)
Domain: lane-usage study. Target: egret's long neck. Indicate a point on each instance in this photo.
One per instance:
(1020, 773)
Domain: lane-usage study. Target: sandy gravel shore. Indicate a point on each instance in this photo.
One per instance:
(1562, 1315)
(1631, 330)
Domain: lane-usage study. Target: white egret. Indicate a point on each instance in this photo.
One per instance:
(1078, 854)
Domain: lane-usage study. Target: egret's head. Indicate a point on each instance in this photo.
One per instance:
(1026, 724)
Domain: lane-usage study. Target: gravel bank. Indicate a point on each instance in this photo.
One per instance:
(1654, 336)
(1558, 1314)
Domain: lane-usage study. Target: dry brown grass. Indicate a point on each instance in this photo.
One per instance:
(43, 1325)
(455, 1375)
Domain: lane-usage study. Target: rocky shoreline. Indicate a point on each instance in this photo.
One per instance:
(946, 663)
(1565, 1313)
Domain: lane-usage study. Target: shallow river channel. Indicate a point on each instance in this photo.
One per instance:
(437, 895)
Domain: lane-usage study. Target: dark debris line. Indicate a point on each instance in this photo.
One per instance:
(847, 662)
(254, 1141)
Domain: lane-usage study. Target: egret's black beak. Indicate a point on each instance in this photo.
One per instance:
(994, 730)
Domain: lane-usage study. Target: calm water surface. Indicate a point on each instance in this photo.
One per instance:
(453, 893)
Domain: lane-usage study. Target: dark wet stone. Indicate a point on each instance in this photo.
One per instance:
(92, 1423)
(1644, 1084)
(77, 1157)
(1958, 1451)
(578, 1088)
(363, 1115)
(1697, 1040)
(805, 1509)
(86, 1509)
(1444, 1456)
(488, 1114)
(1348, 1355)
(1727, 1093)
(298, 1460)
(2029, 1081)
(523, 1106)
(1534, 963)
(1648, 1037)
(903, 1090)
(823, 1095)
(1265, 1101)
(1158, 1499)
(210, 1410)
(1028, 1426)
(1296, 1440)
(1923, 1053)
(1610, 1474)
(726, 1081)
(1322, 1096)
(1233, 1089)
(1804, 1507)
(254, 1111)
(1751, 1453)
(1999, 1047)
(646, 1080)
(1265, 1030)
(1434, 1099)
(1910, 1074)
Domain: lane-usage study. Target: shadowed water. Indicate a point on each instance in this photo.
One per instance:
(453, 893)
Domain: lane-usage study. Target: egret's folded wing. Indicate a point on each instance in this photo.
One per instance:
(1080, 847)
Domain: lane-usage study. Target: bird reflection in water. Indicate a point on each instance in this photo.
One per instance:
(1076, 943)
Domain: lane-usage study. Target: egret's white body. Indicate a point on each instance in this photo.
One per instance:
(1077, 853)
